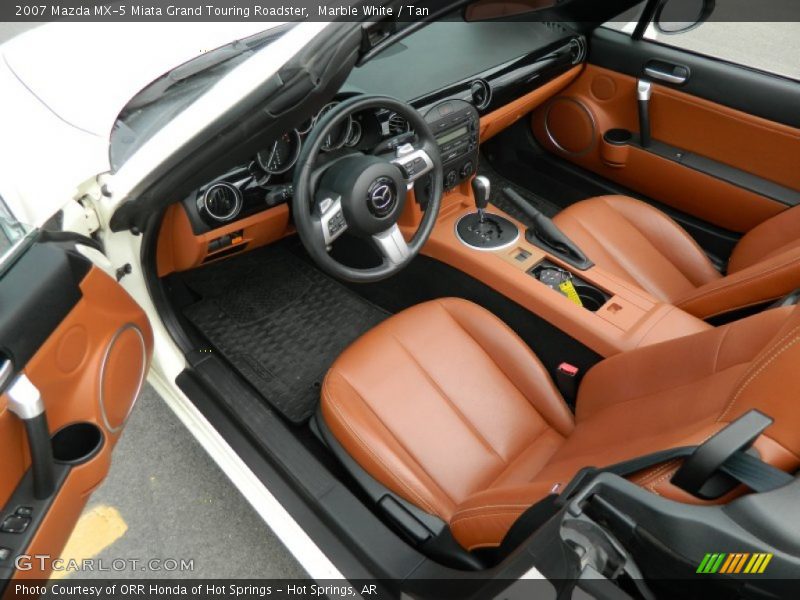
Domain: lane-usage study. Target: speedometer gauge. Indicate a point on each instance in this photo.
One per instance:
(355, 134)
(281, 156)
(339, 134)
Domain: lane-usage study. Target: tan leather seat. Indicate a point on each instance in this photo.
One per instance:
(447, 407)
(641, 244)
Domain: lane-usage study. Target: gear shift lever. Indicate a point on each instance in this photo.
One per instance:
(482, 230)
(481, 186)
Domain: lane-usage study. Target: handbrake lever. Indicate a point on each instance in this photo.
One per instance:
(544, 234)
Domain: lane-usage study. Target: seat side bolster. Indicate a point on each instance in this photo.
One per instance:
(674, 363)
(515, 359)
(771, 237)
(364, 436)
(483, 519)
(767, 280)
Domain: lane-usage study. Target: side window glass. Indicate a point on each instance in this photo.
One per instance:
(728, 30)
(11, 230)
(762, 46)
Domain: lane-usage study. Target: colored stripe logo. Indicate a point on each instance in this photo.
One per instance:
(734, 563)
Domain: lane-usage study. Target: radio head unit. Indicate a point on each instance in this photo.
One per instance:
(455, 125)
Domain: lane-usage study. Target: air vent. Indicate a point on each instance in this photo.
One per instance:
(222, 201)
(398, 124)
(577, 50)
(555, 26)
(481, 93)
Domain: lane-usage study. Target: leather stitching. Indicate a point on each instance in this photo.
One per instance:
(491, 513)
(478, 509)
(766, 362)
(326, 393)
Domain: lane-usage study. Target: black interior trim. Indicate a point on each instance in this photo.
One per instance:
(36, 293)
(714, 168)
(21, 499)
(754, 92)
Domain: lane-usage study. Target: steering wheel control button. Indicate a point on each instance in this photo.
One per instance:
(382, 197)
(15, 524)
(332, 218)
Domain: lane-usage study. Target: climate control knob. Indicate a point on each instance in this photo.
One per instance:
(450, 179)
(466, 169)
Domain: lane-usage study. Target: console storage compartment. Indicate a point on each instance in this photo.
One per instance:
(566, 283)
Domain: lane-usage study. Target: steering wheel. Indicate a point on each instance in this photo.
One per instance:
(365, 194)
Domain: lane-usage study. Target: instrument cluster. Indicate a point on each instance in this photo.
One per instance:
(267, 180)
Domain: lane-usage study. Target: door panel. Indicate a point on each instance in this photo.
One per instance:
(753, 92)
(717, 163)
(88, 369)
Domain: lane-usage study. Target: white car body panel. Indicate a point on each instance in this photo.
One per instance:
(59, 106)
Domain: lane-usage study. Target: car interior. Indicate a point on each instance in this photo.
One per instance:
(510, 286)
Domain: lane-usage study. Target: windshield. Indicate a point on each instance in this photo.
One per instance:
(170, 94)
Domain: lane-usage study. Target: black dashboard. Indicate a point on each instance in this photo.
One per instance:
(474, 67)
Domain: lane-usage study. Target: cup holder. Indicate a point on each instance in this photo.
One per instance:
(592, 298)
(76, 443)
(618, 137)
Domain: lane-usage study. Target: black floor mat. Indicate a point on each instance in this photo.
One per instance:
(498, 198)
(279, 321)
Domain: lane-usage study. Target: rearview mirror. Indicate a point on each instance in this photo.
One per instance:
(488, 10)
(679, 16)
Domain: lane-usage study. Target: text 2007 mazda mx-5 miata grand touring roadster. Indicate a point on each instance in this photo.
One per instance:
(507, 294)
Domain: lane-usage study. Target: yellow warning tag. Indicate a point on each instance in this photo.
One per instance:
(568, 289)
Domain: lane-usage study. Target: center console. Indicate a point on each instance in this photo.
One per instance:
(602, 311)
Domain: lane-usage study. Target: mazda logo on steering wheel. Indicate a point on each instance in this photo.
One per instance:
(381, 197)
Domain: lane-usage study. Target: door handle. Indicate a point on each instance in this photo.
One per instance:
(662, 71)
(25, 401)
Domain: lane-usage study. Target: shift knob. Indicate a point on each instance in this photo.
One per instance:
(481, 188)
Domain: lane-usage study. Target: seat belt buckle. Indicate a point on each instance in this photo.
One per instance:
(567, 378)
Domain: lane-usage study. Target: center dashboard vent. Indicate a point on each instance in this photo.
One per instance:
(481, 93)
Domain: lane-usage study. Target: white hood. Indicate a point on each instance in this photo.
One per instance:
(87, 72)
(64, 85)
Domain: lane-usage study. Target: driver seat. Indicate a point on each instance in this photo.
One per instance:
(444, 405)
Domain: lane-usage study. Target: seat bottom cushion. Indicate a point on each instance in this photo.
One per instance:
(639, 244)
(442, 401)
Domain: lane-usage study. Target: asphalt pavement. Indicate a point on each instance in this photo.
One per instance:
(165, 499)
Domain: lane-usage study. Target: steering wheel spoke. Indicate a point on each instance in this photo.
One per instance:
(392, 245)
(413, 163)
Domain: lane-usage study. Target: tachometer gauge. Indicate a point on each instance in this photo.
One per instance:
(281, 156)
(355, 134)
(339, 134)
